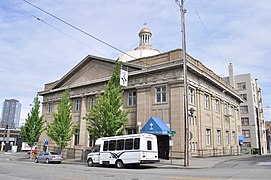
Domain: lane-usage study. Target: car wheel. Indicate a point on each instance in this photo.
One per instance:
(47, 161)
(119, 164)
(36, 160)
(90, 162)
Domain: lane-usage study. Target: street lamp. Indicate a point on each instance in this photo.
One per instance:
(139, 126)
(192, 110)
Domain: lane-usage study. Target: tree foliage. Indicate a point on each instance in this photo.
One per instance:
(62, 129)
(106, 117)
(33, 126)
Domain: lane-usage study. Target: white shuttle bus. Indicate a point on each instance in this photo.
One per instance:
(134, 149)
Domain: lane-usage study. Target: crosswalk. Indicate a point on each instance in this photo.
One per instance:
(264, 164)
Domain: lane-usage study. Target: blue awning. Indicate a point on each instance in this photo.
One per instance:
(241, 138)
(155, 126)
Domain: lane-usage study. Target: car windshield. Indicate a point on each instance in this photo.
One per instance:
(54, 153)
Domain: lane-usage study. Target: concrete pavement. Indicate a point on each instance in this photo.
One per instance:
(194, 162)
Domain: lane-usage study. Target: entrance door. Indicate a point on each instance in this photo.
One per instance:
(163, 146)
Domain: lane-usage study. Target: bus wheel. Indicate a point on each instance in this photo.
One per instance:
(90, 162)
(119, 164)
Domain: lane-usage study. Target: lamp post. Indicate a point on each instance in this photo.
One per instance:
(139, 127)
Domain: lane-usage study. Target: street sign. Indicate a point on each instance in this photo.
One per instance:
(123, 78)
(171, 133)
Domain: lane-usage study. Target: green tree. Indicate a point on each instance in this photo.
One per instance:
(62, 129)
(106, 117)
(33, 126)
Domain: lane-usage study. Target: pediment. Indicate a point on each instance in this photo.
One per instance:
(89, 69)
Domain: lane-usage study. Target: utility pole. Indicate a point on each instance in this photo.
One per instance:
(180, 3)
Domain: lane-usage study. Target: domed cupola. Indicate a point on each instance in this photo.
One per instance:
(145, 36)
(144, 49)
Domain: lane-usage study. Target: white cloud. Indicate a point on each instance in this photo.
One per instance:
(32, 53)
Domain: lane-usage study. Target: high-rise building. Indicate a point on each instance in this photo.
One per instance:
(252, 119)
(10, 113)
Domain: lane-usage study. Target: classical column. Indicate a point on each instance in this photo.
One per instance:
(83, 138)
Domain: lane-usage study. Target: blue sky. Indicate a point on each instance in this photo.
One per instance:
(33, 53)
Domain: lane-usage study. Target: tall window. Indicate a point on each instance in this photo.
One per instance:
(76, 137)
(77, 106)
(227, 137)
(244, 96)
(241, 86)
(49, 108)
(233, 137)
(91, 102)
(244, 109)
(131, 98)
(161, 94)
(207, 101)
(226, 109)
(191, 96)
(246, 133)
(208, 136)
(217, 105)
(245, 121)
(218, 137)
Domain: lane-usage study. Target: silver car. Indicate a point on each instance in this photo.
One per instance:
(48, 157)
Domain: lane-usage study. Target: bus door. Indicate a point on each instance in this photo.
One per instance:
(151, 148)
(95, 154)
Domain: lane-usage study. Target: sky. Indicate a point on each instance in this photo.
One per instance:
(36, 48)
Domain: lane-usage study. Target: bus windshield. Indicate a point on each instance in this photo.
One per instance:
(96, 148)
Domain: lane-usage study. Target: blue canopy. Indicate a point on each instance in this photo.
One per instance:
(155, 126)
(241, 138)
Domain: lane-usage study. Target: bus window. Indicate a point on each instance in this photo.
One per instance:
(128, 144)
(105, 148)
(149, 145)
(112, 145)
(96, 149)
(120, 144)
(136, 143)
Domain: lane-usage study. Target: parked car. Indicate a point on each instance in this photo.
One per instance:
(34, 151)
(48, 157)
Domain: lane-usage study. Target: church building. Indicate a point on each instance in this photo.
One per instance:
(155, 98)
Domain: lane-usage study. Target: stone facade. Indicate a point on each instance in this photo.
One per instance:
(155, 88)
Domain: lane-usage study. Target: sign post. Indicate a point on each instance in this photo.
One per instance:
(123, 78)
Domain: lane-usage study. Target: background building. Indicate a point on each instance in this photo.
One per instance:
(268, 135)
(155, 89)
(10, 116)
(253, 124)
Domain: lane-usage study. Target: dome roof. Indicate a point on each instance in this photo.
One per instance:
(144, 30)
(144, 49)
(136, 54)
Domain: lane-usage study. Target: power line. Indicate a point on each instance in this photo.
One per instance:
(82, 31)
(145, 63)
(207, 32)
(39, 19)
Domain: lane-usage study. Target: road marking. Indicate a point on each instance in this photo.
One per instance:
(185, 178)
(264, 164)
